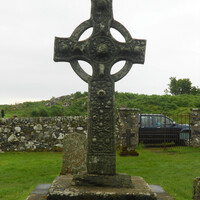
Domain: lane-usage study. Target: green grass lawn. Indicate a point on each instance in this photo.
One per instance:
(20, 173)
(173, 169)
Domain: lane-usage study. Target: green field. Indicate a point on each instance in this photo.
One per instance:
(173, 169)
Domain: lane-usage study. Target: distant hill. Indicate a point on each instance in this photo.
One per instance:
(76, 104)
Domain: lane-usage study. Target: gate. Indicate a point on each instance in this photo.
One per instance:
(164, 130)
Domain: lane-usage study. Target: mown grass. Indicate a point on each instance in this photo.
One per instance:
(173, 169)
(21, 172)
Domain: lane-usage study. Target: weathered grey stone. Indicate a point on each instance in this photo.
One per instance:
(54, 136)
(18, 129)
(1, 151)
(46, 135)
(40, 136)
(30, 145)
(52, 129)
(5, 136)
(195, 141)
(61, 136)
(93, 180)
(23, 139)
(85, 132)
(13, 138)
(21, 149)
(70, 130)
(6, 130)
(38, 127)
(62, 188)
(41, 192)
(161, 194)
(196, 189)
(2, 120)
(59, 145)
(127, 135)
(157, 188)
(74, 154)
(102, 51)
(41, 189)
(79, 128)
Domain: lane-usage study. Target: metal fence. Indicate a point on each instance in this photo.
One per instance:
(164, 130)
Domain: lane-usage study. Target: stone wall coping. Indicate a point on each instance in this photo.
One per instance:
(195, 109)
(128, 109)
(55, 117)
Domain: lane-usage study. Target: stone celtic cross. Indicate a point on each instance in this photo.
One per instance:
(128, 135)
(101, 51)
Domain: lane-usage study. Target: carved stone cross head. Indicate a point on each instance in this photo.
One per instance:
(100, 50)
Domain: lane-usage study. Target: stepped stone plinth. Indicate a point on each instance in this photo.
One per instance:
(63, 189)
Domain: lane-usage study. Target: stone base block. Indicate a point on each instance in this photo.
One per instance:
(63, 189)
(116, 181)
(126, 152)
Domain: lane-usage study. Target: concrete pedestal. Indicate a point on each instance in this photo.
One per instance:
(62, 188)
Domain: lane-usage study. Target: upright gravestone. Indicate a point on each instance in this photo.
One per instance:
(127, 136)
(74, 154)
(101, 51)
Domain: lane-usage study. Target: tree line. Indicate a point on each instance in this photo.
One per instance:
(182, 86)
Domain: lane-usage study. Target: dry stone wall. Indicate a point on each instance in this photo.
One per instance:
(38, 134)
(41, 134)
(47, 134)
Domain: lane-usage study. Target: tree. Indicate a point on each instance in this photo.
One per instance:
(180, 86)
(173, 86)
(195, 90)
(184, 86)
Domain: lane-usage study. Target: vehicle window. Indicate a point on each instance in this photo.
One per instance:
(146, 121)
(161, 121)
(169, 121)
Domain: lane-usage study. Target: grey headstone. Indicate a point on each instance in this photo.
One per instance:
(74, 154)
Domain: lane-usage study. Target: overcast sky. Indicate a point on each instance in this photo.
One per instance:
(28, 28)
